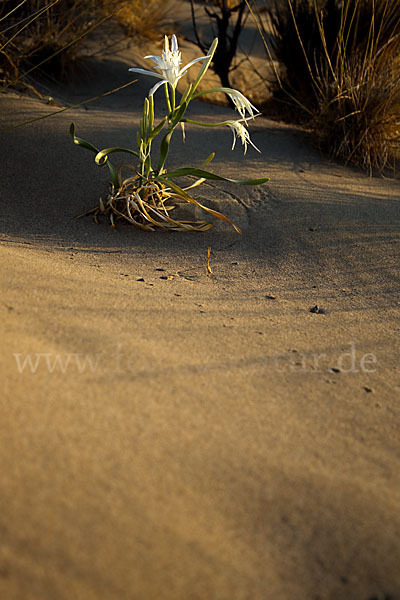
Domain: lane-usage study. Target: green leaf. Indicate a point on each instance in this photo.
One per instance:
(164, 148)
(182, 172)
(79, 141)
(144, 121)
(204, 68)
(157, 129)
(103, 154)
(84, 144)
(186, 94)
(151, 115)
(114, 175)
(179, 113)
(208, 159)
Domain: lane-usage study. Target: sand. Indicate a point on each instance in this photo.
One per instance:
(201, 436)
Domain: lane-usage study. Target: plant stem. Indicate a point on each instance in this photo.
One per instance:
(167, 96)
(205, 124)
(173, 98)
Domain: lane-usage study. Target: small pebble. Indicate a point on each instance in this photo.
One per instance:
(140, 279)
(317, 310)
(368, 389)
(335, 370)
(270, 297)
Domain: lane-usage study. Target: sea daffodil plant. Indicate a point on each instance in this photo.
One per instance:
(147, 197)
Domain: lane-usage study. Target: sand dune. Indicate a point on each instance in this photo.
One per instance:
(177, 435)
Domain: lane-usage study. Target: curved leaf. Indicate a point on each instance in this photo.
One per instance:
(104, 154)
(79, 141)
(84, 144)
(207, 175)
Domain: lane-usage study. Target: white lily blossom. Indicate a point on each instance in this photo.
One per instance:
(240, 131)
(242, 104)
(169, 65)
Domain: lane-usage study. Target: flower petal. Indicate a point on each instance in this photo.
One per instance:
(239, 131)
(234, 139)
(168, 63)
(166, 43)
(174, 44)
(156, 59)
(145, 72)
(155, 87)
(192, 62)
(254, 146)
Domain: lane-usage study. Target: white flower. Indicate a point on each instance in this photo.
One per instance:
(242, 104)
(169, 65)
(240, 131)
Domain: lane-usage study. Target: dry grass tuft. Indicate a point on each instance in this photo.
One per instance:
(35, 35)
(341, 64)
(46, 36)
(146, 18)
(147, 204)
